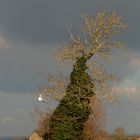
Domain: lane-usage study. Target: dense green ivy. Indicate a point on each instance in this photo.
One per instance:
(67, 121)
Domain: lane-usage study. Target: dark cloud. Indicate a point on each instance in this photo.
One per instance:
(41, 21)
(126, 116)
(15, 115)
(24, 69)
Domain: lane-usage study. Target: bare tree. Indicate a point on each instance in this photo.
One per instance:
(97, 120)
(95, 40)
(42, 119)
(119, 132)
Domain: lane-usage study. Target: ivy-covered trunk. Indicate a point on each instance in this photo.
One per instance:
(68, 119)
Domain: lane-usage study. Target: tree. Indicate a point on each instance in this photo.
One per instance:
(88, 79)
(119, 132)
(42, 119)
(96, 122)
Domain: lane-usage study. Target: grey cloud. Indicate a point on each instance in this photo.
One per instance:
(25, 69)
(4, 42)
(41, 21)
(16, 111)
(125, 115)
(123, 64)
(15, 115)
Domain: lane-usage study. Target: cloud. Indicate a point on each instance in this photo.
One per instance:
(126, 90)
(131, 93)
(135, 62)
(7, 120)
(4, 43)
(46, 21)
(25, 69)
(15, 113)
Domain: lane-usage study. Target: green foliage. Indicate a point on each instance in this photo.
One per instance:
(68, 119)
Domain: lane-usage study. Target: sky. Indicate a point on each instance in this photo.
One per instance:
(31, 31)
